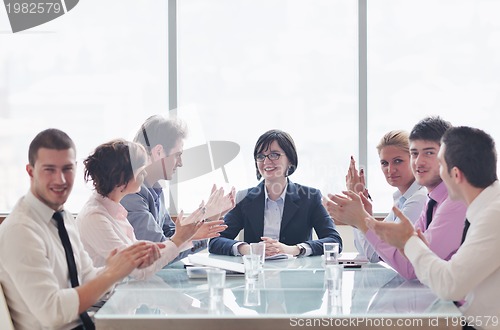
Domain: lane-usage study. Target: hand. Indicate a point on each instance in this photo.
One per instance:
(274, 247)
(184, 232)
(194, 217)
(232, 202)
(355, 181)
(209, 229)
(329, 204)
(396, 234)
(218, 205)
(367, 204)
(120, 264)
(420, 234)
(347, 209)
(244, 249)
(154, 254)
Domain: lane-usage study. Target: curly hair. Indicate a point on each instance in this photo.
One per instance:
(113, 164)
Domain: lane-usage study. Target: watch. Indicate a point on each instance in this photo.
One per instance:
(302, 250)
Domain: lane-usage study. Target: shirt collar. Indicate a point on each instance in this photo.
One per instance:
(38, 207)
(485, 197)
(412, 190)
(440, 193)
(116, 210)
(282, 196)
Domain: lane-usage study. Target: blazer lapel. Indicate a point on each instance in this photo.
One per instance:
(291, 205)
(254, 209)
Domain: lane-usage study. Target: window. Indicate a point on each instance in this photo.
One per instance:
(245, 67)
(97, 72)
(430, 58)
(249, 66)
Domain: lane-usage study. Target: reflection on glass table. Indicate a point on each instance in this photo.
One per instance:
(284, 291)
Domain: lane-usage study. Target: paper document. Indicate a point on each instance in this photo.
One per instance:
(205, 260)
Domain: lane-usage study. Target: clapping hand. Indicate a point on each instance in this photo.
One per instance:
(355, 181)
(219, 204)
(186, 229)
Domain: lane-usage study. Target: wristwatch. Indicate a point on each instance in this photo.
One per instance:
(302, 250)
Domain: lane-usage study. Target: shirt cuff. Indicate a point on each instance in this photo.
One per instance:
(308, 248)
(235, 249)
(413, 247)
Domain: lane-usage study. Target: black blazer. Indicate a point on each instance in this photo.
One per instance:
(302, 212)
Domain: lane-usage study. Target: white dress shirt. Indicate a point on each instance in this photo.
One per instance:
(411, 203)
(473, 272)
(33, 268)
(103, 227)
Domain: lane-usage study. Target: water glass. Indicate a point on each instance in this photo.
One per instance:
(260, 250)
(331, 252)
(252, 267)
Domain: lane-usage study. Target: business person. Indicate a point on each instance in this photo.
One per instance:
(47, 276)
(147, 213)
(277, 211)
(117, 168)
(468, 161)
(441, 220)
(394, 154)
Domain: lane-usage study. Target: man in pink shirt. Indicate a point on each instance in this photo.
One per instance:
(438, 222)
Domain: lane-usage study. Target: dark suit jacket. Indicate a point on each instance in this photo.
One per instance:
(302, 212)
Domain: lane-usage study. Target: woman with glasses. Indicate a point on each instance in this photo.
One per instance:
(277, 211)
(117, 168)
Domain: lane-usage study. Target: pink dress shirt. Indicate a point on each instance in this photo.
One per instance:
(444, 233)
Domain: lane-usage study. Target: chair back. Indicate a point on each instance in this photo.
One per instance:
(5, 320)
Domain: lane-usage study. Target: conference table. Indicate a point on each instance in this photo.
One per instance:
(289, 293)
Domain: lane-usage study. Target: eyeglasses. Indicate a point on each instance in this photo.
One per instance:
(272, 156)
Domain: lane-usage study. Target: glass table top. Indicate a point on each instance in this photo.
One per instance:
(285, 288)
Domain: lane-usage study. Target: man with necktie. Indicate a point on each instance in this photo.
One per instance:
(442, 220)
(469, 169)
(47, 277)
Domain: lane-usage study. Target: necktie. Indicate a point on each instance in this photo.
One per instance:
(430, 210)
(70, 259)
(466, 227)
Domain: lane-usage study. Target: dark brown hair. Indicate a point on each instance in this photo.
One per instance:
(51, 138)
(113, 164)
(285, 142)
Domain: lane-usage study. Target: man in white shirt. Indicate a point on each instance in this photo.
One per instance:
(472, 276)
(36, 268)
